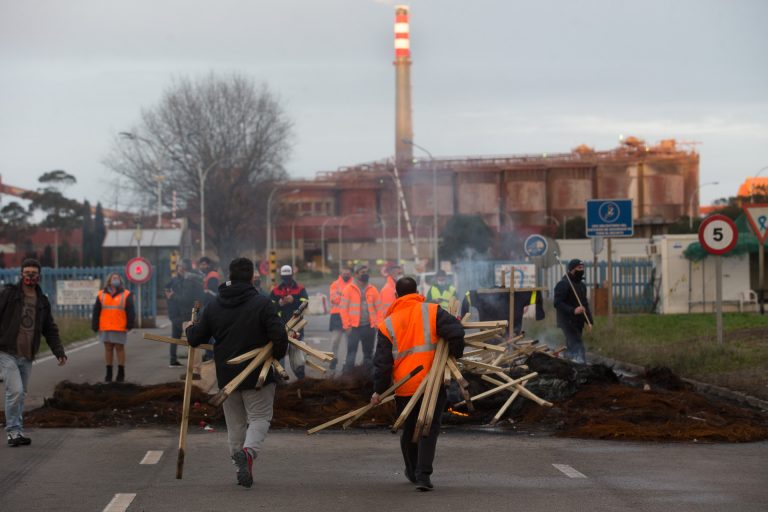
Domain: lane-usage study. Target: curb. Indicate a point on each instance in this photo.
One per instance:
(701, 387)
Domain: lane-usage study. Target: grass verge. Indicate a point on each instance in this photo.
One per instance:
(71, 330)
(685, 343)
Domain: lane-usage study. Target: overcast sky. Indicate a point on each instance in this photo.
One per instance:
(489, 77)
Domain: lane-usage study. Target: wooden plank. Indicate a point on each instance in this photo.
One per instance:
(526, 393)
(279, 369)
(482, 366)
(488, 324)
(317, 354)
(504, 407)
(263, 373)
(502, 387)
(187, 401)
(316, 366)
(227, 390)
(485, 346)
(244, 357)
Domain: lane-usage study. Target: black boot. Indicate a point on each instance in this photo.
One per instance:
(108, 378)
(120, 374)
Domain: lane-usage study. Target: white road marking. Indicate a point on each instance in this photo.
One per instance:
(120, 503)
(152, 457)
(569, 471)
(69, 351)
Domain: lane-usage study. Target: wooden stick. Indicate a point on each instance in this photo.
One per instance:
(504, 407)
(316, 366)
(187, 401)
(367, 407)
(483, 335)
(526, 393)
(485, 346)
(467, 316)
(502, 387)
(323, 356)
(482, 366)
(244, 357)
(434, 376)
(264, 372)
(459, 378)
(488, 324)
(409, 406)
(232, 385)
(583, 309)
(442, 353)
(299, 325)
(297, 316)
(364, 410)
(280, 370)
(174, 341)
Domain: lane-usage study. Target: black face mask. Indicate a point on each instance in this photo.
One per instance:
(286, 279)
(578, 275)
(364, 278)
(346, 278)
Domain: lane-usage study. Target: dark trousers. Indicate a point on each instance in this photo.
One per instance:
(418, 457)
(574, 345)
(175, 333)
(366, 336)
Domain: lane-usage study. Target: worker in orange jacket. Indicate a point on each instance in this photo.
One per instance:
(407, 338)
(336, 327)
(388, 294)
(113, 316)
(360, 311)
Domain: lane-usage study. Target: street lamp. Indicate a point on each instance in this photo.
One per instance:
(695, 192)
(269, 214)
(434, 194)
(752, 188)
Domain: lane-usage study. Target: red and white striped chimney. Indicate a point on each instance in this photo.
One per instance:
(403, 122)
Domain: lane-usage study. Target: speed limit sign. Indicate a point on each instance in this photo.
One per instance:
(138, 270)
(718, 234)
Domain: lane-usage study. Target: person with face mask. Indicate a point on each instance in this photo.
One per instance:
(360, 313)
(570, 315)
(113, 316)
(25, 316)
(336, 328)
(441, 291)
(288, 296)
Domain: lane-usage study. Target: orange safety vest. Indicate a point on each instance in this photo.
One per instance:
(210, 275)
(337, 288)
(412, 328)
(113, 316)
(388, 294)
(350, 306)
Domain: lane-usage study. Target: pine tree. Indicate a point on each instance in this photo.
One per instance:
(88, 236)
(99, 234)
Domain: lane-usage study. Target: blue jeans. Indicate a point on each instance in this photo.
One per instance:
(16, 372)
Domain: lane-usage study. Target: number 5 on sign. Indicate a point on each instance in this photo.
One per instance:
(718, 234)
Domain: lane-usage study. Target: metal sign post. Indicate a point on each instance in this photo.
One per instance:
(610, 218)
(757, 214)
(138, 270)
(718, 235)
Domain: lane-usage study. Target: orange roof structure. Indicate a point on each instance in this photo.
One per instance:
(753, 186)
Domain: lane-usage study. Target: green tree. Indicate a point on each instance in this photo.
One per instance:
(15, 225)
(464, 237)
(61, 212)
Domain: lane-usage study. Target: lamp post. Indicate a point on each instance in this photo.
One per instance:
(695, 192)
(322, 244)
(752, 188)
(434, 195)
(269, 214)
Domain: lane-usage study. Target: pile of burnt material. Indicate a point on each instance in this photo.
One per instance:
(119, 404)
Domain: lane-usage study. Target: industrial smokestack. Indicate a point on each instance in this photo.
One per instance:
(403, 122)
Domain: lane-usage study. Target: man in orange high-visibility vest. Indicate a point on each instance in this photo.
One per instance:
(408, 338)
(360, 313)
(335, 326)
(388, 294)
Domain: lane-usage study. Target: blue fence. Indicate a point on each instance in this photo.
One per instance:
(633, 281)
(50, 276)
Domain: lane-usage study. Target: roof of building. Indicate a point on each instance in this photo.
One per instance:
(149, 238)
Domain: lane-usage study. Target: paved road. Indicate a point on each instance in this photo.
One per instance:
(83, 470)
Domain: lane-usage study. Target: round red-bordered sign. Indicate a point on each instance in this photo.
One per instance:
(138, 270)
(718, 234)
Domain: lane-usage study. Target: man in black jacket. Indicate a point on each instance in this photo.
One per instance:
(571, 317)
(25, 315)
(241, 320)
(182, 292)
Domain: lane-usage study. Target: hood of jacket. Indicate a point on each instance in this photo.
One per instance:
(233, 294)
(405, 302)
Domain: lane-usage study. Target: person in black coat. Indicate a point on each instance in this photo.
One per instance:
(240, 320)
(571, 317)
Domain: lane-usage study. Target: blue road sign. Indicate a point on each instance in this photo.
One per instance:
(609, 218)
(535, 245)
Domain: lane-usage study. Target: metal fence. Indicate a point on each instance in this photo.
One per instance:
(50, 276)
(633, 288)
